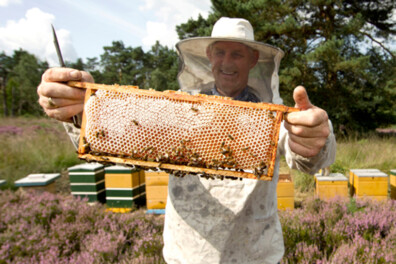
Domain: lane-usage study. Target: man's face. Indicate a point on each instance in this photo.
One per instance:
(231, 63)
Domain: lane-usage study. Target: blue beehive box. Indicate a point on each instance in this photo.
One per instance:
(87, 181)
(2, 182)
(39, 182)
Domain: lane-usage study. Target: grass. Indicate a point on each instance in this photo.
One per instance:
(33, 145)
(370, 152)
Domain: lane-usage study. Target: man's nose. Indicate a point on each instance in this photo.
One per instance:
(227, 59)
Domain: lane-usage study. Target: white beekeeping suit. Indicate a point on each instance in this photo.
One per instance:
(230, 221)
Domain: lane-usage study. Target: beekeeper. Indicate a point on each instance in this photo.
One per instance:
(213, 220)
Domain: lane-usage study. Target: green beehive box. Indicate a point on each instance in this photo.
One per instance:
(99, 196)
(87, 180)
(87, 187)
(2, 182)
(392, 181)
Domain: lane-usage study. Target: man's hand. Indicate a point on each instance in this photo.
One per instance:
(309, 128)
(58, 100)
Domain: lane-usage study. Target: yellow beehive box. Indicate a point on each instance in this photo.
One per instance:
(392, 181)
(156, 189)
(157, 178)
(371, 184)
(285, 192)
(352, 174)
(335, 184)
(122, 177)
(156, 192)
(156, 196)
(156, 203)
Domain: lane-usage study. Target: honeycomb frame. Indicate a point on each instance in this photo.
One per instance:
(180, 133)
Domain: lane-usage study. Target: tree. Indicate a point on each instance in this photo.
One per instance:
(6, 64)
(163, 68)
(25, 77)
(122, 65)
(335, 48)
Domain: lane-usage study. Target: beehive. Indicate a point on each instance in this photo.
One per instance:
(285, 192)
(156, 189)
(371, 183)
(392, 181)
(352, 174)
(39, 182)
(179, 132)
(87, 181)
(125, 187)
(335, 184)
(2, 183)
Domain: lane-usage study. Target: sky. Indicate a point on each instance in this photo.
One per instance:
(84, 27)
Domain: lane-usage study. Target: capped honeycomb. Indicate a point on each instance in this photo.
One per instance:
(159, 128)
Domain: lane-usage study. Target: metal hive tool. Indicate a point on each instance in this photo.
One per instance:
(179, 133)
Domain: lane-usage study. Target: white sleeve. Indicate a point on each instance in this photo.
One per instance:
(73, 132)
(310, 165)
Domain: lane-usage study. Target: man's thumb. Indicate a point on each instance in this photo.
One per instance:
(300, 96)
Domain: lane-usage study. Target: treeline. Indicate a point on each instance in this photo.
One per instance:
(21, 73)
(339, 50)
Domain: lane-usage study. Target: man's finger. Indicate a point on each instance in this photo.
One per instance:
(60, 90)
(64, 113)
(61, 75)
(300, 96)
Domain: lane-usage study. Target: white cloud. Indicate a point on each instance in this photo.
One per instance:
(4, 3)
(33, 34)
(168, 14)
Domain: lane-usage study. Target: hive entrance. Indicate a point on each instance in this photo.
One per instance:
(178, 132)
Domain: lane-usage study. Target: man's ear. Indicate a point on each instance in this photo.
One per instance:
(255, 57)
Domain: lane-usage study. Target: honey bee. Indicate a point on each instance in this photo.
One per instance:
(252, 154)
(194, 109)
(135, 122)
(231, 137)
(86, 148)
(271, 115)
(245, 148)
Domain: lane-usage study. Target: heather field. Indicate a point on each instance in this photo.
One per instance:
(57, 228)
(49, 228)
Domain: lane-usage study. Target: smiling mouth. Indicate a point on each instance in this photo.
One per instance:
(227, 73)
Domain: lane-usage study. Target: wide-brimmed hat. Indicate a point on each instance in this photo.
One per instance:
(196, 75)
(228, 29)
